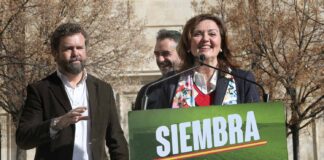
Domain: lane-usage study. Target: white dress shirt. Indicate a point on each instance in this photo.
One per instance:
(78, 96)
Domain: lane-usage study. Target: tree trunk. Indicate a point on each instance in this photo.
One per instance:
(295, 141)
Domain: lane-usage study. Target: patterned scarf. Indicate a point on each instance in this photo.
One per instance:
(185, 93)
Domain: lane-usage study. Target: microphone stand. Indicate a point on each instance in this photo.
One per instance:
(201, 58)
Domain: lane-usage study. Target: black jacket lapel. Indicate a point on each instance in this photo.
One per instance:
(221, 87)
(92, 94)
(56, 86)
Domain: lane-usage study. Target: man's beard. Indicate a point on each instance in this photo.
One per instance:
(70, 67)
(166, 67)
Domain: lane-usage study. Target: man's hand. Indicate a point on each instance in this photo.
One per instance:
(72, 117)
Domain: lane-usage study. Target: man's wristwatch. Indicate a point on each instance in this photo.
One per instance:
(54, 125)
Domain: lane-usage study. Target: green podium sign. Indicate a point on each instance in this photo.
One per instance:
(254, 131)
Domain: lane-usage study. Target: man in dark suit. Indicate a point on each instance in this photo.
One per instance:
(70, 114)
(166, 56)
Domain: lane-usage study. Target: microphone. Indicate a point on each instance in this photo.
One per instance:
(265, 96)
(145, 97)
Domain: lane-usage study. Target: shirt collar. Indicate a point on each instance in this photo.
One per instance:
(200, 82)
(65, 79)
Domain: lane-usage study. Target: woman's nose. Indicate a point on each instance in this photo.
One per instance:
(205, 37)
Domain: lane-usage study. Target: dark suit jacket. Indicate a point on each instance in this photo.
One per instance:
(47, 99)
(161, 95)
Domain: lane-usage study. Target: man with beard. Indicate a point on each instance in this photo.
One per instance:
(71, 114)
(165, 51)
(167, 60)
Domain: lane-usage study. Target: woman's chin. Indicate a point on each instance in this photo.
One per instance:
(210, 55)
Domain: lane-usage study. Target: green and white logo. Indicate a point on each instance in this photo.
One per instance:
(245, 131)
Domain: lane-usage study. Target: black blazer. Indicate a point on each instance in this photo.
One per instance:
(161, 95)
(47, 99)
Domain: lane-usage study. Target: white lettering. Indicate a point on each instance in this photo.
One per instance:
(200, 138)
(174, 135)
(235, 128)
(251, 129)
(220, 133)
(164, 149)
(184, 137)
(224, 132)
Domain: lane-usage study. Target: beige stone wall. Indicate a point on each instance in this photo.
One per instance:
(8, 145)
(159, 14)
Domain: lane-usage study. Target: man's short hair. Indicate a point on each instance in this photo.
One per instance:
(66, 29)
(172, 34)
